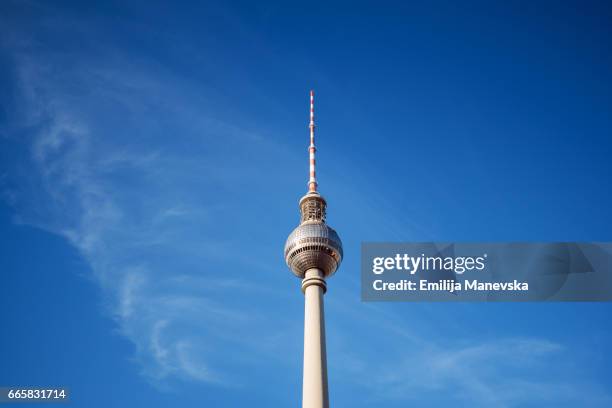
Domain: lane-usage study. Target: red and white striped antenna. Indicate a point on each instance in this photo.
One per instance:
(312, 182)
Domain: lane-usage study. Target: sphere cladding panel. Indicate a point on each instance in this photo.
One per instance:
(313, 245)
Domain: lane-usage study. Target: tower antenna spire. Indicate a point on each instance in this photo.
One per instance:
(312, 182)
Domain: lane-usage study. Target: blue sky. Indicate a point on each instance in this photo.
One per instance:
(151, 160)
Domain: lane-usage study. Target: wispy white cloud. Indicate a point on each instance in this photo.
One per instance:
(139, 210)
(400, 366)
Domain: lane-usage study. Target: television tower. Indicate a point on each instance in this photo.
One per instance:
(313, 252)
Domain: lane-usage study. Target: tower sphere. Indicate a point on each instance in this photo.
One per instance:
(313, 244)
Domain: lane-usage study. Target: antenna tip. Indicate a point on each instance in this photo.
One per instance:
(311, 92)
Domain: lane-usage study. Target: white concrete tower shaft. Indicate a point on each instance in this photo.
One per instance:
(314, 385)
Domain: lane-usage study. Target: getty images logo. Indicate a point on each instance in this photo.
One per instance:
(413, 264)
